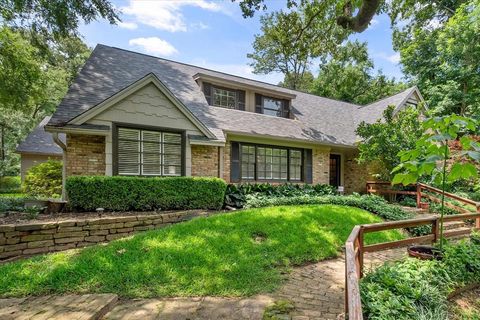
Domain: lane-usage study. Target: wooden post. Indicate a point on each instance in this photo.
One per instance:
(436, 230)
(419, 195)
(477, 221)
(360, 251)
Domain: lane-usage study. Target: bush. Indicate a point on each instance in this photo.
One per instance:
(235, 195)
(44, 180)
(142, 194)
(11, 204)
(10, 184)
(371, 203)
(419, 289)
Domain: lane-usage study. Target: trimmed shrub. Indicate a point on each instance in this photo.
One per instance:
(10, 184)
(419, 289)
(371, 203)
(44, 180)
(235, 195)
(11, 204)
(86, 193)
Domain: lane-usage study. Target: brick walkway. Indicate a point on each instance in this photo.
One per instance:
(317, 290)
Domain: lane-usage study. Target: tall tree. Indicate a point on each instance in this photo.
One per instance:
(290, 40)
(349, 76)
(55, 17)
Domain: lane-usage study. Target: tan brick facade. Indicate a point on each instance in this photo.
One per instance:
(205, 161)
(85, 155)
(226, 162)
(320, 166)
(355, 175)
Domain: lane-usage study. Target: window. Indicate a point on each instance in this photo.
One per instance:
(272, 106)
(148, 152)
(270, 163)
(224, 98)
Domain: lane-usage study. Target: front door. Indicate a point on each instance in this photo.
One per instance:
(335, 167)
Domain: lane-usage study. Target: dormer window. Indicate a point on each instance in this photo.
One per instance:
(272, 106)
(223, 97)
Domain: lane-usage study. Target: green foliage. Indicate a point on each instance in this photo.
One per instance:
(383, 140)
(235, 196)
(348, 76)
(10, 184)
(212, 256)
(437, 208)
(44, 180)
(290, 40)
(56, 18)
(371, 203)
(408, 202)
(11, 204)
(414, 289)
(86, 193)
(439, 49)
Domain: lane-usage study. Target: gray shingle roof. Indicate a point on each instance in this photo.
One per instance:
(40, 142)
(109, 70)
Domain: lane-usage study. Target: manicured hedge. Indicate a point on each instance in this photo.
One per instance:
(87, 193)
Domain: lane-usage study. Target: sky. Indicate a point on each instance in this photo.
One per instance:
(213, 34)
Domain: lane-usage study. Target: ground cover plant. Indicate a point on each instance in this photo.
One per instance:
(419, 289)
(232, 254)
(371, 203)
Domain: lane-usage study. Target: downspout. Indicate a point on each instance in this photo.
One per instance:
(64, 159)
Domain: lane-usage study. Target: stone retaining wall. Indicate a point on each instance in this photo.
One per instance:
(28, 239)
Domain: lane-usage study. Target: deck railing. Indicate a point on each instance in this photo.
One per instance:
(355, 247)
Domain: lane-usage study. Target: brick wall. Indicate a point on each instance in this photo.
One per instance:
(356, 175)
(85, 155)
(321, 166)
(226, 162)
(204, 161)
(34, 238)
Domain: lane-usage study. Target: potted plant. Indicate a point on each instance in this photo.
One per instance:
(432, 158)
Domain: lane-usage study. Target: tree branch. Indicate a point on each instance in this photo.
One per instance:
(361, 21)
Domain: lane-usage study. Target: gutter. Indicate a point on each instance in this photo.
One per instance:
(62, 145)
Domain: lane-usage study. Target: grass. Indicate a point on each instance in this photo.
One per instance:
(235, 254)
(13, 195)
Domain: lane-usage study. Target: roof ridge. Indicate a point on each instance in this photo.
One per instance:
(387, 97)
(228, 74)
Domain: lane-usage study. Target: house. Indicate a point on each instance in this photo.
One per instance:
(37, 148)
(137, 115)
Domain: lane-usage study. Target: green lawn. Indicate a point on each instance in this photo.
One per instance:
(234, 254)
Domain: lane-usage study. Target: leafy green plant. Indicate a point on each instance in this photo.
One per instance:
(10, 184)
(236, 195)
(44, 180)
(11, 204)
(412, 288)
(33, 211)
(87, 193)
(432, 149)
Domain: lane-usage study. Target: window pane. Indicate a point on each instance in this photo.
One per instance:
(272, 106)
(224, 98)
(295, 165)
(151, 136)
(131, 134)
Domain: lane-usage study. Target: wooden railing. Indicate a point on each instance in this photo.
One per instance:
(355, 247)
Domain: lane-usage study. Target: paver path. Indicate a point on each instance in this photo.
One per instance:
(317, 291)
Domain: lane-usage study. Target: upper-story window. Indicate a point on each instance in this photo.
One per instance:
(272, 106)
(224, 97)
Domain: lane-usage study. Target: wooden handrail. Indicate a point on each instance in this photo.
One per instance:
(448, 194)
(355, 249)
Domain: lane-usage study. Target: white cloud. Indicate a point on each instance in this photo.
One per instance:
(393, 58)
(199, 25)
(241, 70)
(166, 15)
(128, 25)
(154, 45)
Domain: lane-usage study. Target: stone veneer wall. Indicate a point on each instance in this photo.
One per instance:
(204, 161)
(355, 175)
(28, 239)
(85, 155)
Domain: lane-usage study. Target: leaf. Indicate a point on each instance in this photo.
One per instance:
(398, 178)
(455, 172)
(475, 155)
